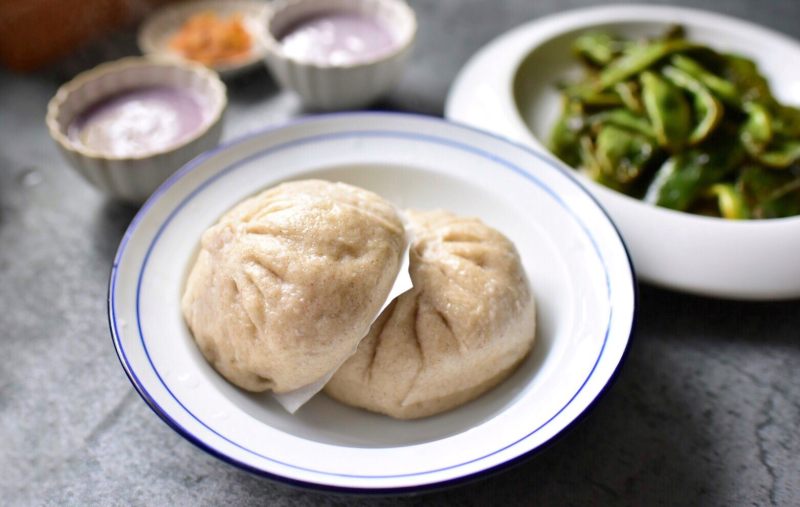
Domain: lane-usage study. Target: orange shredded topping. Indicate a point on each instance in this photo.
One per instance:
(209, 39)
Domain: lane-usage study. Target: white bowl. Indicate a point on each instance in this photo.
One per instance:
(133, 178)
(157, 30)
(508, 87)
(330, 86)
(579, 271)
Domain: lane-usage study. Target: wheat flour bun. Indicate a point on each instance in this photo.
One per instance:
(463, 328)
(287, 282)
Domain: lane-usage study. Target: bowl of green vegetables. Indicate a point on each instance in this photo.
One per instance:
(684, 124)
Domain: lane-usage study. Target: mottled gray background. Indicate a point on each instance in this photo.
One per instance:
(705, 412)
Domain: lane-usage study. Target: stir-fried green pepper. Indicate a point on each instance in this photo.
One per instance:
(724, 89)
(768, 193)
(668, 111)
(637, 59)
(622, 154)
(626, 119)
(730, 201)
(598, 48)
(628, 92)
(781, 154)
(708, 110)
(750, 84)
(601, 99)
(565, 136)
(681, 126)
(757, 135)
(686, 175)
(591, 166)
(756, 131)
(787, 121)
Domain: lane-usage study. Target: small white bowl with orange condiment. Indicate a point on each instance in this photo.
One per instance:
(220, 34)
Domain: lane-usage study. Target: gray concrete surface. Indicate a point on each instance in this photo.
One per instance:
(706, 410)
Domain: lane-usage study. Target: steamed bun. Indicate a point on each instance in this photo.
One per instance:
(463, 328)
(287, 282)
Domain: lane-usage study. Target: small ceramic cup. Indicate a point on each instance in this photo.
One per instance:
(133, 178)
(329, 85)
(158, 29)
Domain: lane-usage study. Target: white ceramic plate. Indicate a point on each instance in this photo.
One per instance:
(577, 263)
(157, 30)
(508, 87)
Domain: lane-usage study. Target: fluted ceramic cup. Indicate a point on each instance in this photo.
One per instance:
(134, 178)
(332, 86)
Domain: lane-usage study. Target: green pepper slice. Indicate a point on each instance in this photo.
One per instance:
(759, 139)
(564, 139)
(668, 111)
(730, 201)
(708, 109)
(622, 154)
(625, 119)
(638, 58)
(756, 131)
(589, 164)
(786, 121)
(633, 60)
(628, 92)
(769, 193)
(601, 100)
(751, 85)
(781, 153)
(722, 88)
(684, 176)
(597, 48)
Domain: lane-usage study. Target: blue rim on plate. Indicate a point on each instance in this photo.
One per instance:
(164, 415)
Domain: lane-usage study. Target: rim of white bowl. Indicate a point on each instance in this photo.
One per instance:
(378, 490)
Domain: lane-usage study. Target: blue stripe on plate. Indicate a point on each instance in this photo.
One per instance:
(299, 142)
